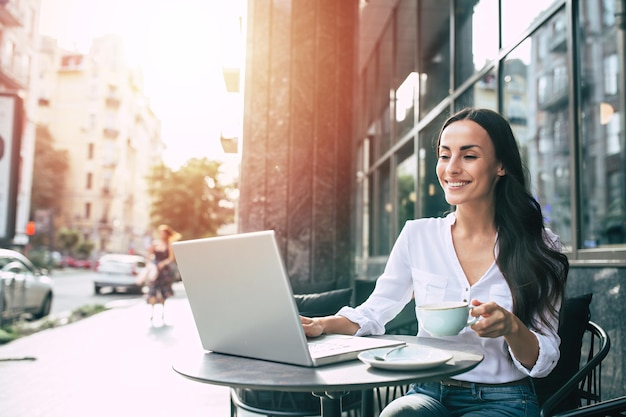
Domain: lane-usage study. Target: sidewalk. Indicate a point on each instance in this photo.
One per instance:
(115, 363)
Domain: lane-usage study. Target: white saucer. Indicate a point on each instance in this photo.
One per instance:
(409, 358)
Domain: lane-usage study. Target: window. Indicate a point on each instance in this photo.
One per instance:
(536, 100)
(91, 122)
(476, 36)
(406, 76)
(434, 53)
(483, 93)
(608, 17)
(362, 196)
(576, 166)
(517, 16)
(382, 208)
(406, 181)
(603, 188)
(611, 72)
(108, 153)
(432, 200)
(385, 63)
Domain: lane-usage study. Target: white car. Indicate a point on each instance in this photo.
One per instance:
(119, 271)
(23, 288)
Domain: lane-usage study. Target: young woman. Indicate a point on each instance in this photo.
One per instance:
(161, 253)
(493, 252)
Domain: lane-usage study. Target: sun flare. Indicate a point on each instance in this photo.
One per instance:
(180, 47)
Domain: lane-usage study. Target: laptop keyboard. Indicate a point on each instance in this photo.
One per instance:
(317, 348)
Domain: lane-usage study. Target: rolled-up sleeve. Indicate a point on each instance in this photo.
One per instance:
(367, 326)
(548, 356)
(392, 292)
(388, 298)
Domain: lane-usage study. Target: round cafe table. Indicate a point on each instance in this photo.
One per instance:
(329, 382)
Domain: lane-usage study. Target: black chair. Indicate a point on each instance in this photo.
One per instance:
(575, 381)
(584, 387)
(610, 408)
(298, 404)
(287, 404)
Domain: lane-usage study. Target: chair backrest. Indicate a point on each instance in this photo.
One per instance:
(615, 407)
(573, 384)
(323, 303)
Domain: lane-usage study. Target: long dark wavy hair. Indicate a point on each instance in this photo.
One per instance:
(535, 271)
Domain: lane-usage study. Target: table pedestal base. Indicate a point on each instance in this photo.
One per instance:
(330, 403)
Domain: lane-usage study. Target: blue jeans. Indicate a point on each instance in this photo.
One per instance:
(433, 399)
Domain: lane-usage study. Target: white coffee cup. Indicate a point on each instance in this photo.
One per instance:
(446, 318)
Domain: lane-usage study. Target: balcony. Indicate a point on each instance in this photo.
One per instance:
(13, 72)
(72, 63)
(110, 132)
(9, 14)
(108, 163)
(231, 79)
(112, 101)
(229, 145)
(556, 101)
(9, 80)
(558, 43)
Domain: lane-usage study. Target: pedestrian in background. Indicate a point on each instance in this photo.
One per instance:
(162, 255)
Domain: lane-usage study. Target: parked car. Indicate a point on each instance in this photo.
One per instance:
(70, 262)
(119, 271)
(24, 287)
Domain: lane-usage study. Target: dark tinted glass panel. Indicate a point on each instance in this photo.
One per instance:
(536, 102)
(406, 64)
(406, 180)
(476, 36)
(380, 215)
(603, 179)
(432, 202)
(434, 53)
(517, 16)
(385, 62)
(483, 94)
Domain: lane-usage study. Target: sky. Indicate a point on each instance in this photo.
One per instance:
(180, 47)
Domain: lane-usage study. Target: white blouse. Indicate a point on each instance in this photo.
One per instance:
(423, 264)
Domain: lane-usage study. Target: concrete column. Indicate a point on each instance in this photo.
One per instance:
(296, 172)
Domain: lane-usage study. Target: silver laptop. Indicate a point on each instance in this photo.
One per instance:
(243, 304)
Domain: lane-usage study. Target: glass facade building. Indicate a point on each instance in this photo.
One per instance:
(344, 100)
(554, 69)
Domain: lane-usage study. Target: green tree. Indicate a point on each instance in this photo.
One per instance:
(192, 200)
(51, 167)
(84, 249)
(69, 239)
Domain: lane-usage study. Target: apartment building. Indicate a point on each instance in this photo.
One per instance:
(94, 107)
(18, 63)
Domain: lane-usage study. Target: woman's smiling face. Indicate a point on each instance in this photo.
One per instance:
(467, 167)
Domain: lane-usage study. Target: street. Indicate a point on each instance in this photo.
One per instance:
(73, 288)
(116, 363)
